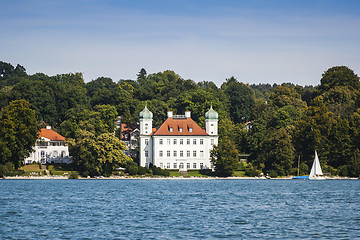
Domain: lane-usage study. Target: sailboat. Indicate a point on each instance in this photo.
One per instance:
(316, 172)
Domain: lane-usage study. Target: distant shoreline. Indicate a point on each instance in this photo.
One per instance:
(158, 178)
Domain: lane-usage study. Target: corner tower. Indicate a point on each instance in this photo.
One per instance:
(211, 122)
(145, 150)
(145, 121)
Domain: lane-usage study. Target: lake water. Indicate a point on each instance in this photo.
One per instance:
(179, 209)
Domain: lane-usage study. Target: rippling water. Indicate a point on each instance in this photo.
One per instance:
(179, 209)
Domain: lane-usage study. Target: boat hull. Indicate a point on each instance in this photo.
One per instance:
(301, 178)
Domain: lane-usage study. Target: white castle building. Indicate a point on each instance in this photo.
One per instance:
(179, 143)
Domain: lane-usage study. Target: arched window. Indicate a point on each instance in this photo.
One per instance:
(55, 154)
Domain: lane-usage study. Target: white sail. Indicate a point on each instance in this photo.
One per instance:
(316, 168)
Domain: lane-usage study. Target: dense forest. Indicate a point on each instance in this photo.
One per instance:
(287, 121)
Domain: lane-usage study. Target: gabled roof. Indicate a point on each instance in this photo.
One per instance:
(127, 128)
(180, 127)
(51, 134)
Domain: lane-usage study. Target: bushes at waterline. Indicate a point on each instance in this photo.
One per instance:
(133, 169)
(73, 175)
(159, 171)
(8, 169)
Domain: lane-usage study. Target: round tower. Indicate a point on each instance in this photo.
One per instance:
(145, 121)
(211, 122)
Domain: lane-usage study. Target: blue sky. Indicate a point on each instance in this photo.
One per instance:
(256, 41)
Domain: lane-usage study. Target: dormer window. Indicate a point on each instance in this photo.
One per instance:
(190, 129)
(180, 130)
(171, 129)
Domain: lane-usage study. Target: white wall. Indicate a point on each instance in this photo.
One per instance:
(48, 151)
(168, 162)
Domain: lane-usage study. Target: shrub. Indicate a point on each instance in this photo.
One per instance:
(73, 175)
(2, 171)
(142, 170)
(131, 169)
(273, 174)
(9, 166)
(207, 172)
(159, 171)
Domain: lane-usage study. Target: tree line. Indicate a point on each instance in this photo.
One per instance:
(287, 121)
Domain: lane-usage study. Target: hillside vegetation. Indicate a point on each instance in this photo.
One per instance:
(288, 120)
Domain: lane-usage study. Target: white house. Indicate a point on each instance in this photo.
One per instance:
(179, 143)
(50, 147)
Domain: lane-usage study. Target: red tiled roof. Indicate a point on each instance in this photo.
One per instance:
(51, 134)
(180, 123)
(127, 128)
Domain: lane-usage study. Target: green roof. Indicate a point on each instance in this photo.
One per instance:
(146, 114)
(211, 114)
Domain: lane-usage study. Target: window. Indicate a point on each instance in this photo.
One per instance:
(171, 129)
(168, 153)
(181, 141)
(194, 141)
(194, 153)
(180, 130)
(201, 165)
(146, 153)
(212, 141)
(146, 126)
(188, 153)
(160, 141)
(168, 141)
(190, 129)
(160, 153)
(194, 165)
(55, 154)
(175, 141)
(181, 153)
(146, 141)
(42, 153)
(175, 153)
(188, 141)
(168, 165)
(181, 165)
(188, 165)
(161, 165)
(201, 141)
(175, 165)
(201, 153)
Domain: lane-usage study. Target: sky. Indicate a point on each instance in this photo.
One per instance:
(256, 41)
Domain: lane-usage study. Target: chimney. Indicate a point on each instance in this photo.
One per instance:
(48, 127)
(187, 114)
(170, 114)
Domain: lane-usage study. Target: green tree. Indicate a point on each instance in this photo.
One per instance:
(97, 155)
(278, 152)
(142, 74)
(225, 157)
(242, 100)
(339, 76)
(19, 131)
